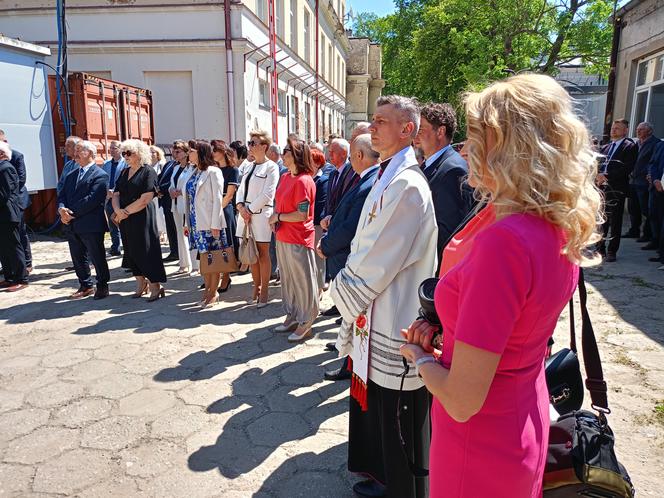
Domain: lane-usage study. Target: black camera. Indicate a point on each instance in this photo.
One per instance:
(427, 307)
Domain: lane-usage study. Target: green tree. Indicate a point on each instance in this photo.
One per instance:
(436, 49)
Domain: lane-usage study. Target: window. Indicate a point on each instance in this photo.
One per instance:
(293, 24)
(330, 124)
(322, 57)
(648, 99)
(342, 88)
(330, 75)
(338, 80)
(307, 36)
(294, 116)
(307, 121)
(280, 18)
(281, 102)
(261, 10)
(263, 94)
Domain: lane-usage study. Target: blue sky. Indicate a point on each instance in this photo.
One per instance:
(379, 7)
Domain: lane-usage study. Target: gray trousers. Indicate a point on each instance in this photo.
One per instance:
(299, 285)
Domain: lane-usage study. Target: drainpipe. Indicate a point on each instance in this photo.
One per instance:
(230, 85)
(611, 86)
(317, 35)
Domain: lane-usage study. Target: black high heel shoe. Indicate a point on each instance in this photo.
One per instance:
(221, 290)
(161, 293)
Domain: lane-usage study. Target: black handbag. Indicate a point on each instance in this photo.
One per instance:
(581, 460)
(563, 374)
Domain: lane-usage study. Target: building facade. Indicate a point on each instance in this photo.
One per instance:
(216, 70)
(639, 91)
(365, 81)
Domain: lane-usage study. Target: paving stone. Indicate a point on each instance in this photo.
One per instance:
(54, 394)
(270, 429)
(146, 402)
(18, 363)
(82, 412)
(117, 487)
(90, 370)
(15, 480)
(282, 399)
(204, 392)
(20, 422)
(28, 380)
(153, 458)
(10, 400)
(66, 358)
(117, 352)
(42, 444)
(114, 433)
(72, 471)
(301, 373)
(305, 484)
(254, 382)
(182, 421)
(116, 386)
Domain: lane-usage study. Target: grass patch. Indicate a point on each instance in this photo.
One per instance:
(622, 359)
(658, 413)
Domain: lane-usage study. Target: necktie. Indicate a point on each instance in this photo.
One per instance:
(81, 172)
(607, 159)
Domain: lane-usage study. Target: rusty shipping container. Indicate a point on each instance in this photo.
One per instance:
(101, 110)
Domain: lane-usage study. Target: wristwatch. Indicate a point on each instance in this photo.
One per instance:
(421, 361)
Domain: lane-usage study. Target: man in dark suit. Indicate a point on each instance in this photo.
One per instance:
(618, 159)
(444, 168)
(655, 173)
(81, 208)
(647, 144)
(335, 244)
(340, 181)
(164, 183)
(11, 214)
(18, 162)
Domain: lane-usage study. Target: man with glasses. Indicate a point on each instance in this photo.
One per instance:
(113, 167)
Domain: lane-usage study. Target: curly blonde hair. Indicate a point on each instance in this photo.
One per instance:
(139, 148)
(539, 159)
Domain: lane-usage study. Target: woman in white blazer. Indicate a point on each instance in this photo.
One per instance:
(255, 204)
(181, 173)
(204, 219)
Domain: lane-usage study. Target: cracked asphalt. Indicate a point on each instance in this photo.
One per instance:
(125, 398)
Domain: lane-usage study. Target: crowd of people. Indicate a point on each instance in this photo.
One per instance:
(504, 225)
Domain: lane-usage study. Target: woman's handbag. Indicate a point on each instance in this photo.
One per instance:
(218, 261)
(581, 460)
(563, 374)
(248, 250)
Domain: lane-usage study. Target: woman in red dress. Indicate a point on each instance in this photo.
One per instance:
(505, 280)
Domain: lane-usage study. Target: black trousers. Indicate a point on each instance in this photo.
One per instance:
(25, 242)
(12, 256)
(373, 439)
(643, 196)
(171, 232)
(634, 210)
(86, 247)
(614, 208)
(657, 218)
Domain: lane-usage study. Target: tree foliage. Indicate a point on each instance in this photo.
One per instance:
(436, 49)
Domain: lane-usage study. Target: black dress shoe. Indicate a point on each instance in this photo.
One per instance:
(630, 235)
(114, 253)
(610, 258)
(170, 258)
(333, 311)
(643, 239)
(101, 293)
(650, 246)
(655, 259)
(338, 321)
(369, 488)
(338, 374)
(330, 346)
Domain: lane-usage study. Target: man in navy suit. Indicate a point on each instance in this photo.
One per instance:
(18, 162)
(113, 167)
(341, 228)
(647, 144)
(655, 173)
(81, 208)
(11, 214)
(446, 171)
(619, 157)
(165, 201)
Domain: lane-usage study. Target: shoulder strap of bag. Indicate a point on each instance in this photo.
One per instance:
(593, 364)
(246, 184)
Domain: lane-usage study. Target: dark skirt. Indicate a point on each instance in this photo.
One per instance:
(142, 249)
(231, 227)
(374, 449)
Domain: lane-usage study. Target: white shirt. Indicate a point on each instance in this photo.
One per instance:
(368, 170)
(431, 159)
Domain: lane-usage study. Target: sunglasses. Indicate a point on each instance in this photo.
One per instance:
(126, 153)
(252, 143)
(287, 149)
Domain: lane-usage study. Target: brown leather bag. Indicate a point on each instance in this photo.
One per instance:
(218, 261)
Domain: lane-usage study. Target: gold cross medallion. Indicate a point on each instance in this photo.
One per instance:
(372, 214)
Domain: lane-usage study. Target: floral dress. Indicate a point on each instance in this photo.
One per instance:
(202, 240)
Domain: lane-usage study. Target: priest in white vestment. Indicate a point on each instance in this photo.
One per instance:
(393, 251)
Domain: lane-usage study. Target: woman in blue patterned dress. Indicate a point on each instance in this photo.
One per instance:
(205, 222)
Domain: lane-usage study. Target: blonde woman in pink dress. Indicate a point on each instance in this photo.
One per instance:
(505, 280)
